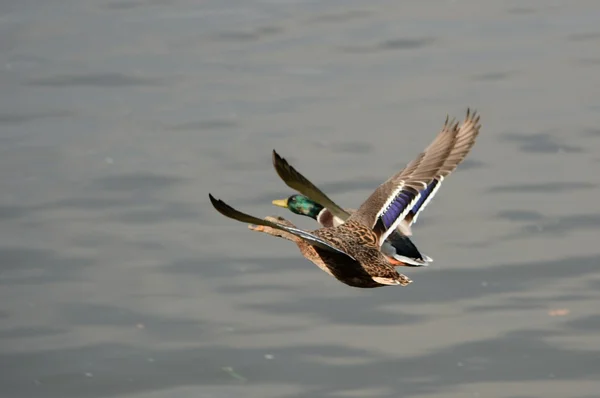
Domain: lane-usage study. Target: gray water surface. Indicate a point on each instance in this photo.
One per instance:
(118, 279)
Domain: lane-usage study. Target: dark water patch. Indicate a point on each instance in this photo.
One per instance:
(586, 324)
(95, 80)
(545, 187)
(579, 37)
(494, 76)
(540, 143)
(391, 44)
(11, 212)
(406, 44)
(22, 265)
(28, 332)
(519, 215)
(17, 118)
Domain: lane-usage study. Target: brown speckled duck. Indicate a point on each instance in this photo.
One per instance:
(351, 252)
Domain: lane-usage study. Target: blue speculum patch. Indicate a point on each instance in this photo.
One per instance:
(424, 195)
(395, 208)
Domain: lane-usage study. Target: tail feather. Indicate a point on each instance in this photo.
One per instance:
(403, 249)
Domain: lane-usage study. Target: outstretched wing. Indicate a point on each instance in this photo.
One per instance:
(298, 182)
(465, 139)
(391, 201)
(311, 239)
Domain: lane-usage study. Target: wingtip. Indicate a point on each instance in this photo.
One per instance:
(278, 159)
(217, 203)
(221, 206)
(282, 167)
(472, 114)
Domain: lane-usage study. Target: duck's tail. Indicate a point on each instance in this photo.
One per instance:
(402, 249)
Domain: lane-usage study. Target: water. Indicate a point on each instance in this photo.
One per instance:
(120, 280)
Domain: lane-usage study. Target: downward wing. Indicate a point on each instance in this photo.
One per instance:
(311, 239)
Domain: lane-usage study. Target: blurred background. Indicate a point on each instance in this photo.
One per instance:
(118, 117)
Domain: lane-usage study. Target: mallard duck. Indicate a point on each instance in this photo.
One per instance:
(399, 249)
(351, 252)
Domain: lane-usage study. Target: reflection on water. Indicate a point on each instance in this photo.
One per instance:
(119, 280)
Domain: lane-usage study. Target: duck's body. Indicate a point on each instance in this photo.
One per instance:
(363, 265)
(398, 248)
(352, 251)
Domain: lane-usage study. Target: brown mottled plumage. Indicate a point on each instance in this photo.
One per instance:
(363, 272)
(351, 252)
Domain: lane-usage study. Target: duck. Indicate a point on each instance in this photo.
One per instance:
(399, 248)
(351, 251)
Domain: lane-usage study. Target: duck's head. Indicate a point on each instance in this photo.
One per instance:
(300, 204)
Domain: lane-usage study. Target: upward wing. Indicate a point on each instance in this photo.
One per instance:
(311, 239)
(465, 139)
(298, 182)
(391, 201)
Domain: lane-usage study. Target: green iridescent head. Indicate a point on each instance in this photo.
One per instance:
(300, 205)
